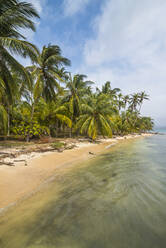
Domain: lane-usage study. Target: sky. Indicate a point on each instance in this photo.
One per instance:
(122, 41)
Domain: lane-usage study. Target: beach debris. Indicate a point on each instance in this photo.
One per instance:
(60, 150)
(19, 160)
(7, 163)
(70, 146)
(91, 153)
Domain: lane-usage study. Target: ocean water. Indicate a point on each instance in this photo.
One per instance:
(160, 130)
(116, 200)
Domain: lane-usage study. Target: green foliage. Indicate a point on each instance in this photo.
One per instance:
(58, 145)
(95, 116)
(29, 130)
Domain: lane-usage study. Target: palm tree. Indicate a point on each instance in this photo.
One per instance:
(106, 89)
(14, 16)
(126, 99)
(134, 101)
(120, 101)
(47, 71)
(52, 114)
(142, 96)
(95, 116)
(77, 88)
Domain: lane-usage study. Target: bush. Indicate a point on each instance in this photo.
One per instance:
(29, 130)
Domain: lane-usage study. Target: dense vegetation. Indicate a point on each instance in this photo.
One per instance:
(45, 99)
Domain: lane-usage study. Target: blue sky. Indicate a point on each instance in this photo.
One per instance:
(116, 40)
(67, 28)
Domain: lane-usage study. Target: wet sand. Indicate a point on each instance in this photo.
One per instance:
(20, 181)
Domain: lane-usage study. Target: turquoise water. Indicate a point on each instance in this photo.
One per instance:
(117, 200)
(160, 129)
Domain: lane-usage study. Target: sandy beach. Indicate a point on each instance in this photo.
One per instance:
(19, 181)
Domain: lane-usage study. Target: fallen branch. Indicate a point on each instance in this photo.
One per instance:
(7, 163)
(19, 160)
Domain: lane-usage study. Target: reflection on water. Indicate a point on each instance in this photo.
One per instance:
(117, 200)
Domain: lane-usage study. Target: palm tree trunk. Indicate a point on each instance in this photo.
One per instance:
(8, 122)
(140, 107)
(56, 129)
(32, 112)
(71, 130)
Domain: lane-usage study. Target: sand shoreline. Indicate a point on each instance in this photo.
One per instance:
(19, 182)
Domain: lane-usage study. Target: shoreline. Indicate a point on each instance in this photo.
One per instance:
(19, 182)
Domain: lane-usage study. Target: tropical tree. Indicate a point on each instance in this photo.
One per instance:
(126, 99)
(76, 89)
(120, 101)
(134, 102)
(15, 16)
(142, 96)
(47, 71)
(54, 114)
(95, 116)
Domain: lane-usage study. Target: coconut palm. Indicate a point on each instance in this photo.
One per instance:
(45, 72)
(126, 99)
(120, 101)
(142, 96)
(77, 88)
(52, 114)
(106, 89)
(134, 102)
(95, 116)
(15, 15)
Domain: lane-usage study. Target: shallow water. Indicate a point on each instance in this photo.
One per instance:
(116, 200)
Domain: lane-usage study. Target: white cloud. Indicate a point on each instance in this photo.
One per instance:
(72, 7)
(130, 50)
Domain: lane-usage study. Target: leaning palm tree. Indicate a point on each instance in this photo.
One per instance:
(47, 72)
(142, 96)
(96, 116)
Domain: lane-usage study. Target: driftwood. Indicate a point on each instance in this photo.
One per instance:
(7, 163)
(29, 150)
(46, 149)
(19, 160)
(69, 147)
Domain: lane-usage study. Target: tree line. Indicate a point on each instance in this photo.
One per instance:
(45, 99)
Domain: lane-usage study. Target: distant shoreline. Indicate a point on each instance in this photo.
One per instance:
(19, 182)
